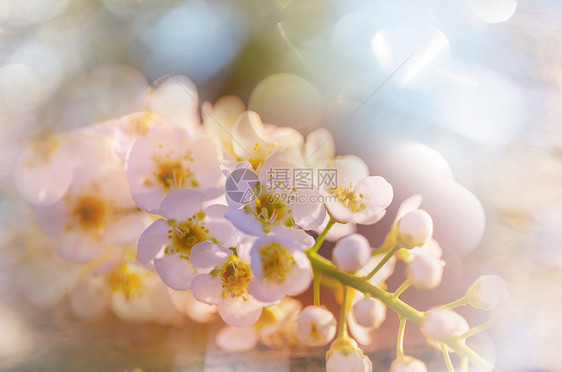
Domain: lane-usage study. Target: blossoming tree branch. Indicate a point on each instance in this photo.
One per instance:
(162, 213)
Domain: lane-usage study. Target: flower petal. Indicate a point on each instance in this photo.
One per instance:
(223, 232)
(245, 222)
(379, 190)
(208, 255)
(175, 271)
(207, 289)
(181, 204)
(152, 240)
(410, 204)
(319, 148)
(298, 236)
(43, 181)
(52, 219)
(240, 312)
(235, 340)
(196, 310)
(350, 169)
(88, 300)
(170, 100)
(265, 291)
(247, 133)
(78, 247)
(361, 334)
(300, 277)
(127, 229)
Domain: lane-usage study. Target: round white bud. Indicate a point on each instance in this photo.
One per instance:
(441, 324)
(414, 229)
(344, 355)
(369, 312)
(425, 272)
(351, 253)
(487, 292)
(406, 363)
(316, 326)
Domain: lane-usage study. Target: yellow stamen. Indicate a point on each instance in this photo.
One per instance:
(348, 197)
(234, 276)
(122, 279)
(90, 211)
(276, 261)
(186, 234)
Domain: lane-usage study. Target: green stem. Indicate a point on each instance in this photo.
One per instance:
(400, 338)
(464, 364)
(451, 305)
(402, 288)
(403, 310)
(342, 326)
(447, 358)
(477, 329)
(382, 262)
(320, 239)
(330, 283)
(316, 287)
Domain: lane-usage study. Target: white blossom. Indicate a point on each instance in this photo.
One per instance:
(357, 197)
(44, 171)
(316, 326)
(165, 159)
(280, 208)
(441, 324)
(168, 241)
(487, 292)
(223, 282)
(351, 253)
(369, 312)
(406, 363)
(132, 292)
(280, 268)
(96, 213)
(344, 355)
(414, 229)
(424, 271)
(274, 328)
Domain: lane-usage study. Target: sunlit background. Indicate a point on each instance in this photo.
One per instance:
(458, 100)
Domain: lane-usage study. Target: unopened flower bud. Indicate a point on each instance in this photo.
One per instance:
(369, 312)
(425, 272)
(316, 326)
(487, 292)
(414, 229)
(344, 355)
(442, 324)
(406, 363)
(351, 253)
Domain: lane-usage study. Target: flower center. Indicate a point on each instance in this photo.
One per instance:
(234, 276)
(269, 210)
(276, 261)
(315, 333)
(186, 234)
(171, 175)
(349, 198)
(140, 124)
(261, 154)
(122, 279)
(90, 212)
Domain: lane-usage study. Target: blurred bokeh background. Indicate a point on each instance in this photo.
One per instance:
(458, 100)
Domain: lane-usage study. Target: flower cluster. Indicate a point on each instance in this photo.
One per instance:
(163, 214)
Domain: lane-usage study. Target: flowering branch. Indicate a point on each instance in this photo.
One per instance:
(246, 255)
(400, 307)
